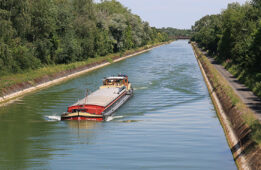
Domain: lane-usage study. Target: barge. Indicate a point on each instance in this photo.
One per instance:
(102, 103)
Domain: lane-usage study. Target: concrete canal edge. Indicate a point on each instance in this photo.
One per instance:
(245, 155)
(10, 97)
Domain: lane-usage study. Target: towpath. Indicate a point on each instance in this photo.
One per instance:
(245, 94)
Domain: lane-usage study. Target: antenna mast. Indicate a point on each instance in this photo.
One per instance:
(86, 96)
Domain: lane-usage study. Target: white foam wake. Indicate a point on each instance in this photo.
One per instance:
(110, 118)
(140, 88)
(53, 118)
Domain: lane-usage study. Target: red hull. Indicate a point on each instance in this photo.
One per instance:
(101, 103)
(84, 118)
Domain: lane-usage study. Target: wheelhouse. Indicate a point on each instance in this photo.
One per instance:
(116, 81)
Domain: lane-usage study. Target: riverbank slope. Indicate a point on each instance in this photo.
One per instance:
(16, 85)
(240, 125)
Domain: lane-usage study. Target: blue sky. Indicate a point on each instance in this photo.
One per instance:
(175, 13)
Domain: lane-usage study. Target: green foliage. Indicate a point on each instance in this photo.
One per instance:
(109, 59)
(36, 33)
(256, 126)
(32, 76)
(223, 89)
(173, 33)
(207, 31)
(234, 37)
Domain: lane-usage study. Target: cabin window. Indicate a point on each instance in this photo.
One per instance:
(110, 82)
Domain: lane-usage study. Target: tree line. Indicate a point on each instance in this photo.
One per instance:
(174, 32)
(35, 33)
(233, 37)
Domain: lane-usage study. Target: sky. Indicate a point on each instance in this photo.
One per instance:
(180, 14)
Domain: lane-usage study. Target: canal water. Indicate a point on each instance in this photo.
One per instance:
(169, 123)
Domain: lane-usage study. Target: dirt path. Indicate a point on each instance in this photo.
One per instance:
(245, 94)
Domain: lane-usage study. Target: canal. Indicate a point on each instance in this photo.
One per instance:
(169, 123)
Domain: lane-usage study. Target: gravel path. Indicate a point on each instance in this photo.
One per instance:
(246, 95)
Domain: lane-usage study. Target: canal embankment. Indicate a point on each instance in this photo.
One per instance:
(240, 124)
(20, 84)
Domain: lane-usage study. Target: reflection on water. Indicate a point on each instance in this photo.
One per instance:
(169, 123)
(82, 124)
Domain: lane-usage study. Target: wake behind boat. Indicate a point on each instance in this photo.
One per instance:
(102, 103)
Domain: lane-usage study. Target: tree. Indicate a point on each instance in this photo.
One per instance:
(234, 37)
(34, 33)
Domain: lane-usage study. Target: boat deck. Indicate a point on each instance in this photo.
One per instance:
(101, 97)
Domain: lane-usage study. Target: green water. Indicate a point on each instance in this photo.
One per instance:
(169, 123)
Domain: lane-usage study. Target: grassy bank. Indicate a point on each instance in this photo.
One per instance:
(13, 82)
(252, 81)
(224, 91)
